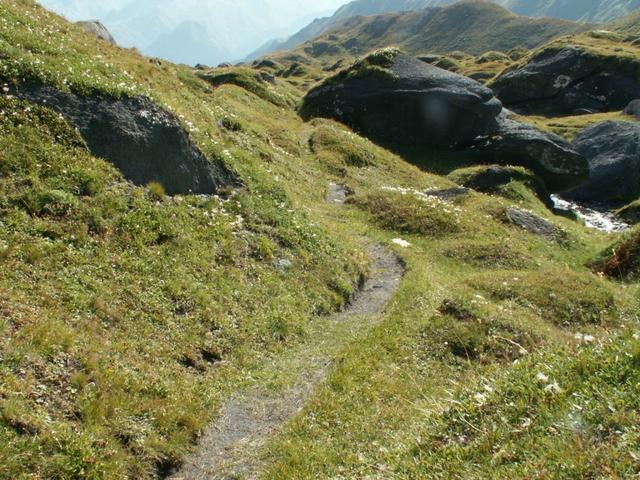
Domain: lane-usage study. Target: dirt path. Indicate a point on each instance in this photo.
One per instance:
(231, 448)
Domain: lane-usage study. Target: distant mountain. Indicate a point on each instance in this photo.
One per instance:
(191, 42)
(597, 11)
(592, 11)
(228, 29)
(352, 9)
(471, 26)
(629, 24)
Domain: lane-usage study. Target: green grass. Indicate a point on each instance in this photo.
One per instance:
(128, 316)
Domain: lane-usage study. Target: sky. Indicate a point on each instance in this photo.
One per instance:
(197, 31)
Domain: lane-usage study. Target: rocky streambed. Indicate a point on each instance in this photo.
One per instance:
(600, 216)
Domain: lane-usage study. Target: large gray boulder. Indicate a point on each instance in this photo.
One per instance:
(397, 99)
(612, 149)
(547, 155)
(566, 80)
(96, 28)
(400, 99)
(144, 141)
(633, 109)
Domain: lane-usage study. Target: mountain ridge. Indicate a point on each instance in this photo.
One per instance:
(593, 12)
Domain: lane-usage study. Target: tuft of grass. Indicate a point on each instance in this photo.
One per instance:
(410, 213)
(157, 191)
(562, 297)
(340, 148)
(494, 254)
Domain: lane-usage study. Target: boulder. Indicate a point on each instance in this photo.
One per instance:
(397, 99)
(612, 149)
(393, 97)
(146, 142)
(547, 155)
(96, 28)
(566, 79)
(633, 109)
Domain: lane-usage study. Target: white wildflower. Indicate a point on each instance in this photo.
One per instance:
(400, 242)
(553, 388)
(542, 378)
(584, 338)
(480, 398)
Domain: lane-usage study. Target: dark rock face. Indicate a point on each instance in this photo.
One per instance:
(533, 223)
(94, 27)
(570, 79)
(633, 109)
(144, 141)
(546, 154)
(413, 102)
(613, 151)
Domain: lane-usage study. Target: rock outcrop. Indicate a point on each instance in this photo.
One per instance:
(612, 149)
(568, 80)
(145, 142)
(533, 223)
(397, 99)
(546, 154)
(94, 27)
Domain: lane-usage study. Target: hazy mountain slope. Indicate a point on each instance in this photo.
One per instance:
(352, 9)
(471, 26)
(629, 24)
(234, 27)
(581, 10)
(186, 42)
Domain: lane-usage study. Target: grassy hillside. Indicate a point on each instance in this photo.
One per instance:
(471, 26)
(629, 24)
(130, 317)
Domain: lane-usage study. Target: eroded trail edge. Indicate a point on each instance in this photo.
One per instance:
(231, 447)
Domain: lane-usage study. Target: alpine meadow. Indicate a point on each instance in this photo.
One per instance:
(399, 241)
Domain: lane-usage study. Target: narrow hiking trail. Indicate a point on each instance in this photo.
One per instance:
(232, 447)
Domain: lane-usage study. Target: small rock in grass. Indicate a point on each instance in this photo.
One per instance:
(532, 223)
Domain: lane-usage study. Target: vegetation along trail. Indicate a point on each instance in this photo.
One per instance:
(231, 447)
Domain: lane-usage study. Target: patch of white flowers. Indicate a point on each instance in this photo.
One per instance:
(431, 200)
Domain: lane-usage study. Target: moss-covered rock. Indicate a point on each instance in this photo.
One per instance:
(492, 178)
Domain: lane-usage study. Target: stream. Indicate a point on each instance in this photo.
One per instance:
(595, 215)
